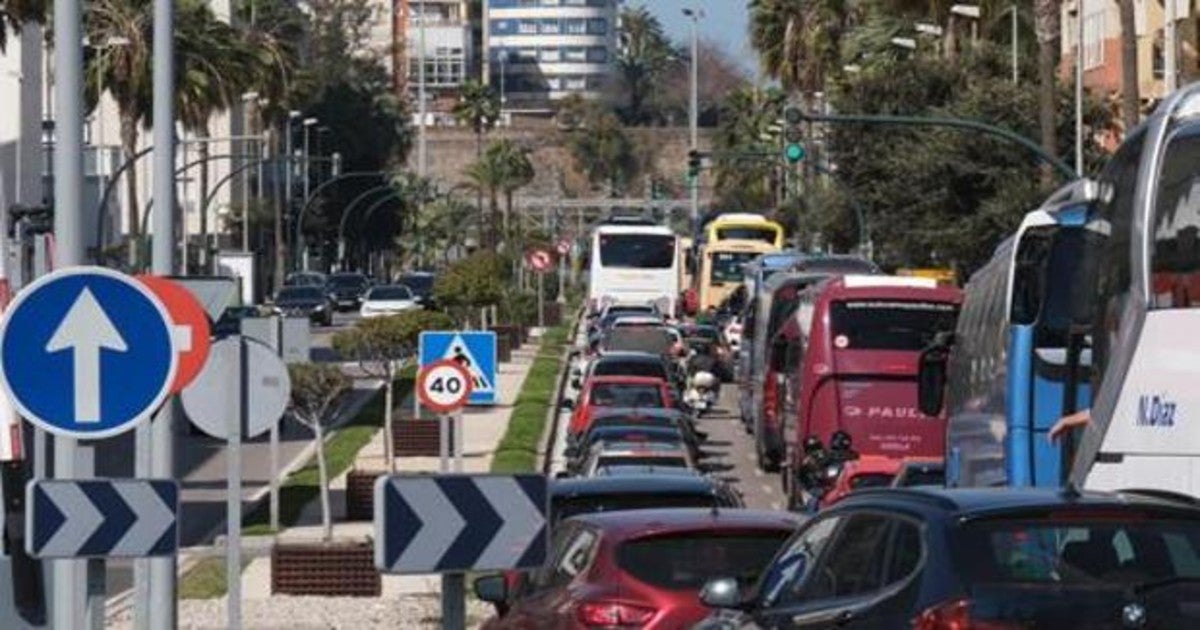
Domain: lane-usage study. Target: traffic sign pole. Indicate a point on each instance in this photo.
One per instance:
(236, 420)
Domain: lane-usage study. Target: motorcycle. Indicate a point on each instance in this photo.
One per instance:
(701, 394)
(819, 471)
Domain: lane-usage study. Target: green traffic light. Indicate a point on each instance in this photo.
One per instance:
(794, 153)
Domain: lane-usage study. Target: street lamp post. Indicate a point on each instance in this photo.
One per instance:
(300, 251)
(422, 146)
(694, 110)
(1079, 86)
(249, 101)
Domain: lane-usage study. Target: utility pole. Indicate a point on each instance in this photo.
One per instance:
(299, 250)
(70, 462)
(422, 142)
(161, 612)
(694, 112)
(1079, 85)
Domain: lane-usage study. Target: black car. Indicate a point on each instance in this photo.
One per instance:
(305, 301)
(936, 559)
(421, 285)
(609, 493)
(346, 290)
(633, 364)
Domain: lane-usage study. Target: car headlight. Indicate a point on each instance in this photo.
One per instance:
(318, 308)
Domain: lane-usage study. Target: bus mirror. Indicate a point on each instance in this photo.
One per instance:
(931, 379)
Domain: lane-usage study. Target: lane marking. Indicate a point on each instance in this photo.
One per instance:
(767, 488)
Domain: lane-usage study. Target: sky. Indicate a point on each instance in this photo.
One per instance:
(725, 21)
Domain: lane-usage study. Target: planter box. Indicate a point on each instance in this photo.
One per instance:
(504, 349)
(513, 332)
(417, 438)
(330, 570)
(360, 494)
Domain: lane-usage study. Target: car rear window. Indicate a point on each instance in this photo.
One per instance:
(574, 506)
(625, 395)
(891, 324)
(686, 561)
(630, 368)
(870, 480)
(664, 461)
(923, 477)
(648, 338)
(1124, 548)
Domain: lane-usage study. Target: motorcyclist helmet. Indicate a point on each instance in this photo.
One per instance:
(839, 441)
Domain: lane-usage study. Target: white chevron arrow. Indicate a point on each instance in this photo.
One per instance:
(441, 525)
(522, 522)
(154, 518)
(82, 519)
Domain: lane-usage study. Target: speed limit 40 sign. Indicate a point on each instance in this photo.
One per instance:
(444, 386)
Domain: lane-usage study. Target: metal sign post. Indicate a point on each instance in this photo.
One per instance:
(242, 392)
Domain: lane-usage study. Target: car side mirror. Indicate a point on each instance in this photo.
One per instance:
(493, 590)
(721, 593)
(567, 404)
(562, 474)
(932, 368)
(576, 382)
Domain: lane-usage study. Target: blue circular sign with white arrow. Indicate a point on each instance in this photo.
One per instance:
(87, 352)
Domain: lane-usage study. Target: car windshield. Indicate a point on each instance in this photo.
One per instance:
(923, 476)
(420, 284)
(390, 293)
(288, 294)
(637, 251)
(890, 324)
(870, 480)
(727, 266)
(686, 561)
(347, 282)
(656, 461)
(626, 395)
(566, 507)
(652, 369)
(651, 339)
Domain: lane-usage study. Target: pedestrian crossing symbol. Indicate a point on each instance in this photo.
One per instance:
(474, 350)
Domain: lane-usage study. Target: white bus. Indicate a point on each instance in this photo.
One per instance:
(1145, 261)
(634, 264)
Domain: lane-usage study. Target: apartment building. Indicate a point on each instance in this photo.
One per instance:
(541, 51)
(1101, 25)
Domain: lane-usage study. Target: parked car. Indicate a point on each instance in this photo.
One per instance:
(619, 391)
(347, 289)
(230, 321)
(421, 284)
(305, 279)
(640, 453)
(388, 300)
(629, 416)
(631, 364)
(305, 301)
(942, 559)
(639, 568)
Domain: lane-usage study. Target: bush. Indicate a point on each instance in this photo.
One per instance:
(471, 283)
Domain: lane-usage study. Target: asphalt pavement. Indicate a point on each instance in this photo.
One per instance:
(729, 454)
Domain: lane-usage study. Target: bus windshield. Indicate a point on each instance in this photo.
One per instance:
(637, 251)
(890, 325)
(727, 266)
(766, 234)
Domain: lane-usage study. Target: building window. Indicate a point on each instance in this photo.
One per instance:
(551, 27)
(597, 26)
(549, 55)
(504, 27)
(528, 27)
(1093, 40)
(597, 54)
(576, 26)
(577, 55)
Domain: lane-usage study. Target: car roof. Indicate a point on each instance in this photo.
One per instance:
(600, 432)
(614, 447)
(645, 483)
(638, 412)
(629, 524)
(629, 355)
(984, 502)
(631, 470)
(625, 380)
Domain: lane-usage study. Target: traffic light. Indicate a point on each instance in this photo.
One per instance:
(793, 134)
(693, 164)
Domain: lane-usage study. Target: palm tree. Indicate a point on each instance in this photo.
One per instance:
(645, 56)
(477, 108)
(16, 13)
(747, 121)
(488, 176)
(799, 41)
(503, 167)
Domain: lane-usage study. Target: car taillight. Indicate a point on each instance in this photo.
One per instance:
(614, 614)
(956, 615)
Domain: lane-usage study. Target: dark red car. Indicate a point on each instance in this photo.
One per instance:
(601, 392)
(640, 569)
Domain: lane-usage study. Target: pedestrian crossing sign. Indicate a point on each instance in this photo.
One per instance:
(474, 350)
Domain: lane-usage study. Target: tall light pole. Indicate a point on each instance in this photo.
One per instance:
(694, 109)
(300, 252)
(249, 103)
(1079, 86)
(1016, 39)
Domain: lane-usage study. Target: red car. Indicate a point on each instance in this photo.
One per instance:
(868, 471)
(642, 568)
(601, 392)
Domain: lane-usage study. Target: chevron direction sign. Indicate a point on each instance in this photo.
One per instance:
(455, 523)
(109, 518)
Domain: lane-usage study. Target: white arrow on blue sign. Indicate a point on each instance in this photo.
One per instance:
(87, 352)
(112, 518)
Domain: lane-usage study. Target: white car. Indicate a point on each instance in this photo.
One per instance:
(389, 299)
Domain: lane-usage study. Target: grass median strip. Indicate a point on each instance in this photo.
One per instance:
(518, 450)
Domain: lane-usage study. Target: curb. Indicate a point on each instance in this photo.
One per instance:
(550, 432)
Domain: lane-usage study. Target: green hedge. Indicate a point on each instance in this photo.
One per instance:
(518, 450)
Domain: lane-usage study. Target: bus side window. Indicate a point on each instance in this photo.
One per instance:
(1175, 261)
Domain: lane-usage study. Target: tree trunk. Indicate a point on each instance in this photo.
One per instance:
(280, 253)
(479, 191)
(129, 138)
(493, 229)
(388, 451)
(323, 479)
(1130, 104)
(202, 154)
(1047, 22)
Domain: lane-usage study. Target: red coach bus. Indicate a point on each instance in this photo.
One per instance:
(851, 356)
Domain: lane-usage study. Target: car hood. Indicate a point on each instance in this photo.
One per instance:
(388, 304)
(299, 303)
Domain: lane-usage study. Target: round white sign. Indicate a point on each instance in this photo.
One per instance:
(215, 396)
(444, 386)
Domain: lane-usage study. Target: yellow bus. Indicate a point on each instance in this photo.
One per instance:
(721, 265)
(944, 277)
(744, 226)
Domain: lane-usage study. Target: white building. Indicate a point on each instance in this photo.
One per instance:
(540, 51)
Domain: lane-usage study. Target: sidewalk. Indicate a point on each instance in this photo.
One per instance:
(483, 430)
